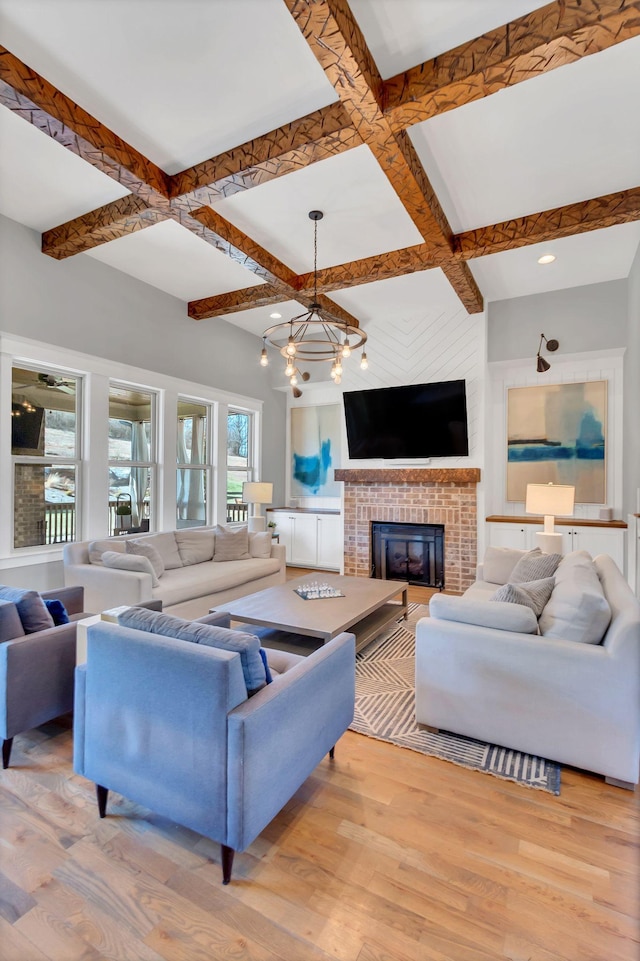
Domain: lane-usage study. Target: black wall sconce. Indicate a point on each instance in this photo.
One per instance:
(542, 364)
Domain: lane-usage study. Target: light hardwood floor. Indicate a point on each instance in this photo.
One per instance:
(382, 855)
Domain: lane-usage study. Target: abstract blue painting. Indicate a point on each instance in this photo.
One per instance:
(315, 450)
(557, 433)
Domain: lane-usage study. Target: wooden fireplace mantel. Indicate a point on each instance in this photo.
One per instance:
(419, 475)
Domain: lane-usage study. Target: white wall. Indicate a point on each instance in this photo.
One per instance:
(631, 496)
(84, 305)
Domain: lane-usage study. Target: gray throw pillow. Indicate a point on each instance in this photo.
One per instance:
(534, 565)
(260, 544)
(246, 645)
(143, 549)
(97, 548)
(195, 546)
(578, 609)
(533, 594)
(231, 545)
(31, 608)
(130, 562)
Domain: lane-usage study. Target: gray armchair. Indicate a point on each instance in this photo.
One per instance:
(168, 724)
(36, 670)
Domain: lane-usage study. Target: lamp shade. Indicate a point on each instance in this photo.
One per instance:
(554, 499)
(254, 492)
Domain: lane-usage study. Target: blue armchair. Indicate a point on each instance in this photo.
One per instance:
(36, 669)
(168, 724)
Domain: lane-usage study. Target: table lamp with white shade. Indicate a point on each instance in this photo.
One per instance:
(257, 493)
(550, 500)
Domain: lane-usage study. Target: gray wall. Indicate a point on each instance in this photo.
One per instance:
(580, 318)
(87, 306)
(631, 472)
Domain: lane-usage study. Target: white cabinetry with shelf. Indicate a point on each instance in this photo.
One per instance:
(596, 538)
(311, 539)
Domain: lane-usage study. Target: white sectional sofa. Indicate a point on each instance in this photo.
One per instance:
(190, 570)
(564, 685)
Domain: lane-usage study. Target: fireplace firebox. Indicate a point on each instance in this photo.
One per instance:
(408, 552)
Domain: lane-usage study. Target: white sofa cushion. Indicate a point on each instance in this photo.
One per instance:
(144, 549)
(534, 565)
(194, 546)
(501, 616)
(231, 545)
(498, 563)
(130, 562)
(198, 580)
(577, 609)
(97, 548)
(260, 544)
(533, 594)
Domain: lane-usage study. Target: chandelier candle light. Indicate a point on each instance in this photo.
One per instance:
(314, 335)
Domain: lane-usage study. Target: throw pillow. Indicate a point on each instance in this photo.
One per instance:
(195, 546)
(31, 608)
(231, 545)
(97, 548)
(577, 609)
(246, 645)
(166, 546)
(130, 562)
(260, 544)
(58, 611)
(498, 563)
(534, 565)
(142, 549)
(533, 594)
(502, 617)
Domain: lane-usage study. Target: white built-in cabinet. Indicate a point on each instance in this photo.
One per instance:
(311, 539)
(604, 538)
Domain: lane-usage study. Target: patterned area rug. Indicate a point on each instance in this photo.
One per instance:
(385, 689)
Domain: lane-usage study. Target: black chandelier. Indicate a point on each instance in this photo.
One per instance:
(314, 335)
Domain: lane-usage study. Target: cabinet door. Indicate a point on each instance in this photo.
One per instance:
(509, 535)
(285, 530)
(598, 540)
(329, 542)
(303, 544)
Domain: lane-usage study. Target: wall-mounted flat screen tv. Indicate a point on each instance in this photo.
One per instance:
(419, 420)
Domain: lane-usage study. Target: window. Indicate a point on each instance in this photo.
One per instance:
(194, 463)
(240, 466)
(132, 458)
(46, 456)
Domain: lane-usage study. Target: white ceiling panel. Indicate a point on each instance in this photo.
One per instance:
(41, 183)
(404, 33)
(180, 81)
(538, 145)
(362, 213)
(399, 298)
(589, 258)
(169, 257)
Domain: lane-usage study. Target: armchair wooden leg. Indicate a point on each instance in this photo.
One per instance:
(7, 744)
(332, 752)
(227, 862)
(102, 793)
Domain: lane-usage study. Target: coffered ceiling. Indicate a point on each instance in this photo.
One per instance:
(449, 144)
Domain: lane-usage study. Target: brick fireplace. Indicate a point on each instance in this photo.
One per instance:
(413, 496)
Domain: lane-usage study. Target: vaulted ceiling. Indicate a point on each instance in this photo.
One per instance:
(185, 141)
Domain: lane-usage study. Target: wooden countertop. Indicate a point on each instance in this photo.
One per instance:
(305, 510)
(558, 521)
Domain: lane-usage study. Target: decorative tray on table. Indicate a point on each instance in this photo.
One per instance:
(315, 591)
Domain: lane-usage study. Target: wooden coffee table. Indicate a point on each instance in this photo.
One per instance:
(368, 606)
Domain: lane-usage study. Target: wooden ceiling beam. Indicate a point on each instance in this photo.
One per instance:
(552, 36)
(222, 234)
(600, 212)
(32, 97)
(264, 295)
(117, 219)
(337, 42)
(318, 135)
